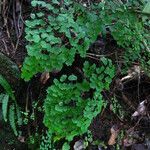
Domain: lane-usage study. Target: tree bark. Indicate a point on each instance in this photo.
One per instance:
(9, 70)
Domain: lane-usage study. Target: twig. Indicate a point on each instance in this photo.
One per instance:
(92, 57)
(128, 102)
(96, 55)
(131, 129)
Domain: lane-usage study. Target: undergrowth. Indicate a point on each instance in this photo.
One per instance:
(10, 109)
(69, 109)
(57, 32)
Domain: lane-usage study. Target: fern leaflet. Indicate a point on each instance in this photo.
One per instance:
(5, 101)
(12, 119)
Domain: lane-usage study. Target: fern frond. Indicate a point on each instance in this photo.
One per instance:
(18, 113)
(12, 119)
(5, 101)
(7, 87)
(1, 97)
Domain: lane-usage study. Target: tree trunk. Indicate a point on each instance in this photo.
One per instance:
(9, 70)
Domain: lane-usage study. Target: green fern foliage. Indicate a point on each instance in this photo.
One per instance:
(10, 109)
(69, 107)
(11, 113)
(57, 31)
(19, 121)
(1, 97)
(56, 34)
(7, 87)
(5, 101)
(12, 119)
(127, 27)
(46, 143)
(66, 146)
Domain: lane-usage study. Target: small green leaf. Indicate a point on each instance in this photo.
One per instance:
(63, 78)
(104, 61)
(50, 7)
(40, 14)
(5, 106)
(34, 3)
(32, 16)
(147, 8)
(72, 78)
(55, 1)
(66, 146)
(36, 38)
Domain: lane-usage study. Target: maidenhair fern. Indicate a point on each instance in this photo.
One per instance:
(57, 31)
(47, 143)
(128, 28)
(56, 34)
(70, 106)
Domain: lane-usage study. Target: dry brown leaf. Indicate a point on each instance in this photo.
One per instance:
(114, 134)
(21, 139)
(141, 110)
(44, 77)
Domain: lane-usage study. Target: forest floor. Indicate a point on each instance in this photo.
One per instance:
(131, 94)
